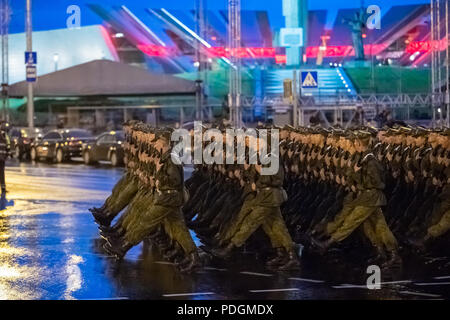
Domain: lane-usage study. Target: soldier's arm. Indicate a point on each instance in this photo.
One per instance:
(374, 175)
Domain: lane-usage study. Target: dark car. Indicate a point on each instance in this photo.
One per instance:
(21, 141)
(60, 145)
(106, 147)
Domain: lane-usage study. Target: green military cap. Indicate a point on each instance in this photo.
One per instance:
(350, 135)
(446, 132)
(337, 132)
(420, 132)
(372, 130)
(392, 132)
(406, 130)
(363, 135)
(289, 127)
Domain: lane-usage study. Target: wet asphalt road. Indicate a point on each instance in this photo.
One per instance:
(49, 249)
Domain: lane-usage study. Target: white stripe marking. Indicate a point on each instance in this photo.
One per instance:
(441, 278)
(432, 284)
(256, 274)
(420, 294)
(215, 269)
(187, 294)
(307, 280)
(359, 286)
(275, 290)
(164, 262)
(396, 282)
(118, 298)
(349, 286)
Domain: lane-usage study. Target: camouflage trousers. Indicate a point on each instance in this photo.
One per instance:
(141, 202)
(370, 219)
(150, 217)
(440, 223)
(272, 223)
(122, 194)
(237, 220)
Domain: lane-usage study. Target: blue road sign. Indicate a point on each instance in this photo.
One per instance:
(31, 73)
(30, 57)
(309, 79)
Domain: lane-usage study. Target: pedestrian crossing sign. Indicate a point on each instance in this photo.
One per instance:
(309, 79)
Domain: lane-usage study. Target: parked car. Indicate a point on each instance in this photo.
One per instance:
(60, 145)
(108, 146)
(21, 141)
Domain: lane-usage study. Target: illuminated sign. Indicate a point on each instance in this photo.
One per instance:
(291, 37)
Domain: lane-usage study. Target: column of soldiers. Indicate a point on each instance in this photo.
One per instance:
(392, 186)
(230, 202)
(150, 196)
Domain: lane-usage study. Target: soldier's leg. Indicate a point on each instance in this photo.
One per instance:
(441, 227)
(352, 221)
(175, 226)
(275, 228)
(141, 202)
(124, 198)
(383, 232)
(237, 220)
(124, 180)
(368, 227)
(122, 194)
(142, 227)
(250, 224)
(339, 219)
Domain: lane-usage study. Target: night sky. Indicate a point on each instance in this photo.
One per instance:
(51, 14)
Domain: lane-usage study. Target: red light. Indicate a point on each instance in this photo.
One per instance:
(280, 59)
(153, 50)
(213, 38)
(263, 52)
(364, 35)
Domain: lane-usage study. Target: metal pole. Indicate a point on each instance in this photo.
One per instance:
(199, 57)
(234, 44)
(438, 62)
(447, 58)
(432, 63)
(4, 20)
(295, 100)
(30, 102)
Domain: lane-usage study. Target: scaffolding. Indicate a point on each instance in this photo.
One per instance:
(235, 77)
(439, 36)
(201, 59)
(5, 17)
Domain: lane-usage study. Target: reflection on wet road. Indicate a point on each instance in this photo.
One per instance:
(49, 249)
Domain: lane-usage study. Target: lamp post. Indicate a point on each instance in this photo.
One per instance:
(30, 102)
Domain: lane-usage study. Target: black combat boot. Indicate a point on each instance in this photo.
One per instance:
(113, 234)
(394, 261)
(380, 256)
(280, 258)
(223, 253)
(420, 244)
(101, 218)
(171, 253)
(117, 249)
(322, 246)
(193, 264)
(292, 262)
